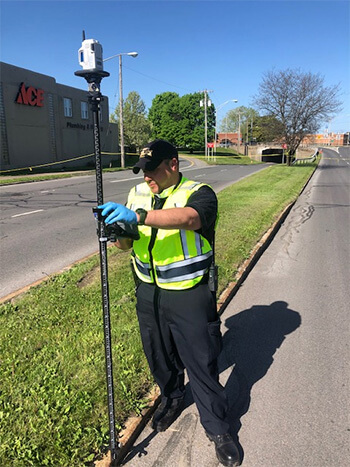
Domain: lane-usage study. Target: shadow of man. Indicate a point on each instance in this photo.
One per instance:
(251, 339)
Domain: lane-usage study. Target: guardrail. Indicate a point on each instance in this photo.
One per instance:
(307, 159)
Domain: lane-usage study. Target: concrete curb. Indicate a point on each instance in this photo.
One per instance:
(19, 292)
(256, 253)
(135, 425)
(133, 428)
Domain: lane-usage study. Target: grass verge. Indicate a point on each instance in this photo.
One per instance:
(52, 387)
(223, 156)
(39, 174)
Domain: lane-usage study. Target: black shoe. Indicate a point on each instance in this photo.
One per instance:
(166, 413)
(226, 449)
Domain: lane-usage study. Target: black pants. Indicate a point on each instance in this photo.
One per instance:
(181, 329)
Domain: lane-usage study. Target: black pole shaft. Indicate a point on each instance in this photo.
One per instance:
(104, 284)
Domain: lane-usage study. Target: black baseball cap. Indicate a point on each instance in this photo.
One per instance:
(153, 154)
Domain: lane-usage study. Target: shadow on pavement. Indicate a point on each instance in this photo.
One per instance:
(140, 449)
(252, 338)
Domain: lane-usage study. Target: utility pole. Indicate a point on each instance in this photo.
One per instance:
(239, 132)
(206, 103)
(121, 121)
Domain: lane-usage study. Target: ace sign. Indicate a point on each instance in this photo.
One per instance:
(30, 96)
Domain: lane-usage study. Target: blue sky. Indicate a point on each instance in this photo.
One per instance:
(184, 46)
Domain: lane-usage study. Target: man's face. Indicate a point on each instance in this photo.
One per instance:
(164, 176)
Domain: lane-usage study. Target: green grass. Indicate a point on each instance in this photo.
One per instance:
(53, 394)
(38, 178)
(52, 387)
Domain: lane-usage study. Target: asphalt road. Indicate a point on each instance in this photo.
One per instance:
(286, 357)
(46, 226)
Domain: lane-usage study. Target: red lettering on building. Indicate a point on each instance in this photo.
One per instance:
(22, 95)
(30, 96)
(40, 97)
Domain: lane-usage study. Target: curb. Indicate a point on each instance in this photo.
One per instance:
(248, 264)
(135, 425)
(17, 293)
(132, 430)
(256, 253)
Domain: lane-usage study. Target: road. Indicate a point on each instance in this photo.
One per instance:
(286, 357)
(46, 226)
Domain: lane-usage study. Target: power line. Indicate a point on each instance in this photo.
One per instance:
(156, 79)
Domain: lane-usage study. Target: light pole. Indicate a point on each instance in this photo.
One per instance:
(216, 118)
(121, 123)
(206, 103)
(239, 132)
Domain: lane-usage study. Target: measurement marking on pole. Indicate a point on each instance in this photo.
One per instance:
(26, 213)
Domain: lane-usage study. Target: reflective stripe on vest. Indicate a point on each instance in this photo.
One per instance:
(144, 269)
(184, 242)
(184, 270)
(179, 258)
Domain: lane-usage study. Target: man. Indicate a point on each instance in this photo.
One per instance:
(177, 314)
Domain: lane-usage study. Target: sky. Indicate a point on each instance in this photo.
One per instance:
(184, 46)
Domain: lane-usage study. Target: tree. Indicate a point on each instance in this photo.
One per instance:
(180, 120)
(241, 118)
(137, 128)
(299, 100)
(267, 129)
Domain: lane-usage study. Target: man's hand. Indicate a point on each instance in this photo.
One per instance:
(118, 213)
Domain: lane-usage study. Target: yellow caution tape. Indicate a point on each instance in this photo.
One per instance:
(30, 168)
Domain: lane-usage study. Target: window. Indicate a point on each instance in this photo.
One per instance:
(67, 105)
(84, 110)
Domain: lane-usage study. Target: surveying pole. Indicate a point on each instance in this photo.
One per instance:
(90, 58)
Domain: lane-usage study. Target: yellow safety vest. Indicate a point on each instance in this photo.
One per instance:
(178, 259)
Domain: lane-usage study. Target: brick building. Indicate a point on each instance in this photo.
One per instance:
(227, 139)
(327, 139)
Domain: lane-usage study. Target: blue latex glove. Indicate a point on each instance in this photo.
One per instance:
(118, 213)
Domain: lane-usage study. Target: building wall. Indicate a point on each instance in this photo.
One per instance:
(35, 129)
(327, 139)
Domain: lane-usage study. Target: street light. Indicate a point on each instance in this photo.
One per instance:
(216, 115)
(121, 124)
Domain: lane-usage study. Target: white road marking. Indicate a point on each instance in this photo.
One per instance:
(136, 178)
(26, 213)
(124, 179)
